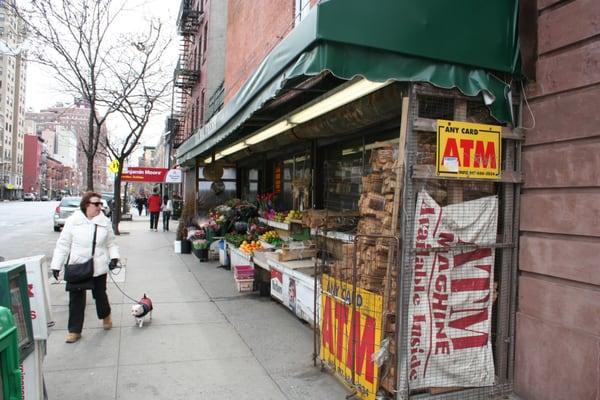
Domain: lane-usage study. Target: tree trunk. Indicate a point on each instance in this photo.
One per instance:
(91, 153)
(90, 173)
(116, 213)
(126, 199)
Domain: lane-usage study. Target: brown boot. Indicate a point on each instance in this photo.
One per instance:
(107, 323)
(73, 337)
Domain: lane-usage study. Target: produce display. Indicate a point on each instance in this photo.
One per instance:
(249, 247)
(279, 217)
(293, 215)
(283, 216)
(272, 237)
(236, 239)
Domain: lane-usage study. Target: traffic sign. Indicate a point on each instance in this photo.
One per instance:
(114, 166)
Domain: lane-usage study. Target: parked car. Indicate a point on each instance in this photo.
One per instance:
(109, 199)
(106, 208)
(65, 208)
(45, 198)
(28, 197)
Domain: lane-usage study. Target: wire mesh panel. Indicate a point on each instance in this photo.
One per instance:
(454, 324)
(359, 266)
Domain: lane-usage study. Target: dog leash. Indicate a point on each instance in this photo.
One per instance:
(111, 273)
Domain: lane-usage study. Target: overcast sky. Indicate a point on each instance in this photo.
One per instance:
(43, 91)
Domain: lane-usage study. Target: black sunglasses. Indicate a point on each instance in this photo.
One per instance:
(95, 203)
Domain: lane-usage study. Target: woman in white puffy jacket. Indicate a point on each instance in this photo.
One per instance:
(75, 246)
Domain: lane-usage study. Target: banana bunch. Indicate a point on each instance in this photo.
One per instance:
(270, 236)
(293, 214)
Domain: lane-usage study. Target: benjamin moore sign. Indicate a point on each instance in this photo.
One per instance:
(466, 150)
(156, 175)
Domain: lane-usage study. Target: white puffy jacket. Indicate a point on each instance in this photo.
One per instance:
(76, 239)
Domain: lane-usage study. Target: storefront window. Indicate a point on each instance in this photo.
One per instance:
(296, 183)
(214, 192)
(250, 184)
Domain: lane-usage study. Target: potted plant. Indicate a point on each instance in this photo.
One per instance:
(200, 247)
(181, 238)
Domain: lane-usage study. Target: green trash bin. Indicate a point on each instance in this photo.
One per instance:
(10, 373)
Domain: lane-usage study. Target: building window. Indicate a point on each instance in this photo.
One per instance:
(301, 10)
(210, 193)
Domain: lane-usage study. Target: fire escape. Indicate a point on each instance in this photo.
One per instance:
(187, 72)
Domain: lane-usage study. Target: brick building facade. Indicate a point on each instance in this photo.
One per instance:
(32, 164)
(558, 321)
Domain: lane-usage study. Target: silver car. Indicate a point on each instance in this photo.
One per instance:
(67, 206)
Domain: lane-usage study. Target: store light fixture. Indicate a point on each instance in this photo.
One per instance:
(342, 97)
(233, 149)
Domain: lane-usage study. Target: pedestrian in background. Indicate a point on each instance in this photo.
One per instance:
(154, 206)
(139, 204)
(167, 209)
(87, 234)
(145, 204)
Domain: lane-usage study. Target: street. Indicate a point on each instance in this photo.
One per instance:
(26, 228)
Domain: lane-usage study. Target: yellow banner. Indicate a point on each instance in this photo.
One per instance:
(466, 150)
(343, 348)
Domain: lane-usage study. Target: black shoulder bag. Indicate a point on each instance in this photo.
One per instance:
(80, 273)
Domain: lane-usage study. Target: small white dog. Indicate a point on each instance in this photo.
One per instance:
(142, 309)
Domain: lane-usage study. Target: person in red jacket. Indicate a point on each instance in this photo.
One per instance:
(154, 208)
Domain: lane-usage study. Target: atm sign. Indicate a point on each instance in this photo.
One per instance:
(466, 150)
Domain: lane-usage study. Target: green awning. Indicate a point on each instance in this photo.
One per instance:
(464, 45)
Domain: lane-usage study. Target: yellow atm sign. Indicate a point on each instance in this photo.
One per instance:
(350, 339)
(466, 150)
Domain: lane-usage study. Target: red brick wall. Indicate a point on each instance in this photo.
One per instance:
(32, 151)
(253, 29)
(558, 320)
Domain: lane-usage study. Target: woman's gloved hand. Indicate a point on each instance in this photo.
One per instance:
(55, 273)
(113, 263)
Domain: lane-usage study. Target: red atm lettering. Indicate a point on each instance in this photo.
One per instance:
(327, 326)
(365, 346)
(473, 315)
(341, 317)
(467, 342)
(483, 157)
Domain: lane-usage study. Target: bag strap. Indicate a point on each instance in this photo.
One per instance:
(94, 241)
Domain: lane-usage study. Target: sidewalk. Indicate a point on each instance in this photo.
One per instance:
(206, 341)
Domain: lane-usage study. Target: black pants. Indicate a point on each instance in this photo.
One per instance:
(166, 217)
(77, 304)
(140, 210)
(154, 220)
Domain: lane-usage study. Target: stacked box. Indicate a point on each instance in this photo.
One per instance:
(376, 207)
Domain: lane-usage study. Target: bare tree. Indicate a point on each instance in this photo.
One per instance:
(148, 86)
(75, 39)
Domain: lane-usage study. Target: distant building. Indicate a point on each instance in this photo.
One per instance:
(74, 118)
(66, 146)
(12, 104)
(32, 166)
(147, 158)
(54, 179)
